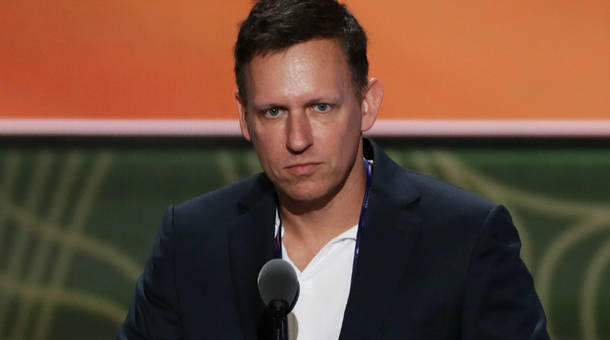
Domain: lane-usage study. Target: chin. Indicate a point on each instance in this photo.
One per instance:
(304, 196)
(305, 193)
(312, 195)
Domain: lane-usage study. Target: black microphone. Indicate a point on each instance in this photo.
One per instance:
(278, 286)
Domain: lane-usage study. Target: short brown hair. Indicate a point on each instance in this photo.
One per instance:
(276, 25)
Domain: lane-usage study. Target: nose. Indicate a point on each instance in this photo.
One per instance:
(298, 131)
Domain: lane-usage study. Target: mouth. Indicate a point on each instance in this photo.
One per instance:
(302, 169)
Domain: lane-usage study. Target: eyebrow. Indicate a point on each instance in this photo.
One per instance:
(268, 106)
(317, 100)
(329, 100)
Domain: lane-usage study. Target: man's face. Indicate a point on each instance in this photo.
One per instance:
(304, 119)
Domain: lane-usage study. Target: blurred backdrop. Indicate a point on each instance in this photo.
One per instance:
(438, 59)
(79, 214)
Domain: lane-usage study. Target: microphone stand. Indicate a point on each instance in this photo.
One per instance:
(278, 328)
(278, 314)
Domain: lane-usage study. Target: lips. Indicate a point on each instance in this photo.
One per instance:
(302, 169)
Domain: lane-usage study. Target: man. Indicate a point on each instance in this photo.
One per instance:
(381, 253)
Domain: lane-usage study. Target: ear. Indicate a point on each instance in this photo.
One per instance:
(241, 110)
(371, 102)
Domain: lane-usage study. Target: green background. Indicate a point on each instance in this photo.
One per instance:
(78, 218)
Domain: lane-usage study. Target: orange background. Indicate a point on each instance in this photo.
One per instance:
(472, 59)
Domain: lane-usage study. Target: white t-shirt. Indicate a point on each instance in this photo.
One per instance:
(324, 289)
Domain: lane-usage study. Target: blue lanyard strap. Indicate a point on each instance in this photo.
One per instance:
(277, 241)
(368, 168)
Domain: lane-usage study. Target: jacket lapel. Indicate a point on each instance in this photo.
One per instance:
(250, 247)
(390, 235)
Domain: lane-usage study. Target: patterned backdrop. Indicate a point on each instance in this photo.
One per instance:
(78, 221)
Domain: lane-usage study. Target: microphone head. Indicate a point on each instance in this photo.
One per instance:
(278, 285)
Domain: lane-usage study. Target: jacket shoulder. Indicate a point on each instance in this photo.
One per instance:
(221, 206)
(446, 194)
(408, 185)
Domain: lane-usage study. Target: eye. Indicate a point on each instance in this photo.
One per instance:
(273, 112)
(321, 107)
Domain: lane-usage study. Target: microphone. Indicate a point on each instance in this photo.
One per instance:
(278, 287)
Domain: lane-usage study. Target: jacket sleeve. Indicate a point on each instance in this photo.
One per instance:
(500, 301)
(154, 312)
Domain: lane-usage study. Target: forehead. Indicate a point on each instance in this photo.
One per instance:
(316, 68)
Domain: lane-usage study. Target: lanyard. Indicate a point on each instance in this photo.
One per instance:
(368, 168)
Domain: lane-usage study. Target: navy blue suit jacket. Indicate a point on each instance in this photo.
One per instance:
(435, 262)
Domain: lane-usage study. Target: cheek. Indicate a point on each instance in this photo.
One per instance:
(347, 130)
(267, 145)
